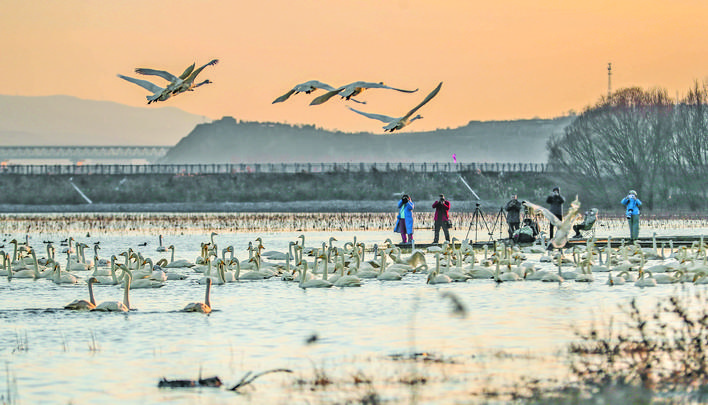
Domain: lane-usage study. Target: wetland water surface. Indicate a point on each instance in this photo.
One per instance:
(511, 330)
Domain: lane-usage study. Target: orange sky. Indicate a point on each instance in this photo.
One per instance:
(503, 59)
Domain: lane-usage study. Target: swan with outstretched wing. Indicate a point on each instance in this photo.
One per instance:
(307, 88)
(352, 89)
(392, 123)
(159, 93)
(562, 233)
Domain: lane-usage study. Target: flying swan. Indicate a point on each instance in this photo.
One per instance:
(393, 124)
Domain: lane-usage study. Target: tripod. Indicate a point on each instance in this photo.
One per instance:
(478, 217)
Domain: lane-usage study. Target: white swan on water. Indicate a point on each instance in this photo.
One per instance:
(645, 281)
(352, 89)
(161, 248)
(117, 306)
(83, 304)
(203, 307)
(177, 263)
(315, 282)
(396, 123)
(63, 278)
(434, 277)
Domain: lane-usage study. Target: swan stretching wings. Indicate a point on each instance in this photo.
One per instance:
(352, 89)
(392, 123)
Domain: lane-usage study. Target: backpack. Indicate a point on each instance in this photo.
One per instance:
(523, 235)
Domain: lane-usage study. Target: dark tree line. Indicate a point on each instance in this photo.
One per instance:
(642, 140)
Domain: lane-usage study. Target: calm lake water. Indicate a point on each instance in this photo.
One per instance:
(511, 330)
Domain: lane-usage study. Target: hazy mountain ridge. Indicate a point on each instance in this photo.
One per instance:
(66, 120)
(231, 141)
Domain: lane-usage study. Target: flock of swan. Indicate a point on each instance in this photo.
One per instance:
(186, 82)
(329, 265)
(352, 90)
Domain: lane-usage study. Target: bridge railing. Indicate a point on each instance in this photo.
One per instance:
(233, 168)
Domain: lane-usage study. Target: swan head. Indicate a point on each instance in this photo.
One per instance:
(93, 280)
(417, 117)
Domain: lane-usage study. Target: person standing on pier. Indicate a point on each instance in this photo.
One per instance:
(632, 204)
(556, 201)
(404, 222)
(513, 214)
(442, 219)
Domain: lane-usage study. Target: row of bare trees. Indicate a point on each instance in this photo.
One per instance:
(639, 139)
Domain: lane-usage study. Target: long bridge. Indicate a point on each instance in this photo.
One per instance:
(81, 153)
(232, 168)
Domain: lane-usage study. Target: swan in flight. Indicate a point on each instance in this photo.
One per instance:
(203, 307)
(392, 123)
(352, 89)
(174, 80)
(179, 84)
(158, 93)
(307, 88)
(83, 304)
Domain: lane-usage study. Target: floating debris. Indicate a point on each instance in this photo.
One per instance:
(214, 382)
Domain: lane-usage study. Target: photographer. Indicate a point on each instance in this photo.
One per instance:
(404, 219)
(442, 220)
(632, 203)
(513, 216)
(556, 201)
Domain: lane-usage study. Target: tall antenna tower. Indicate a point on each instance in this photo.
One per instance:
(609, 80)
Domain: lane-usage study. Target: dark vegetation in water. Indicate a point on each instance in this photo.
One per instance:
(657, 356)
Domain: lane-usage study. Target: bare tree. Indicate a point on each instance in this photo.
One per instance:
(689, 153)
(620, 143)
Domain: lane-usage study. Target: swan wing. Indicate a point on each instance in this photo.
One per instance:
(370, 85)
(195, 73)
(187, 71)
(425, 100)
(323, 98)
(380, 117)
(143, 83)
(546, 213)
(284, 97)
(163, 74)
(312, 85)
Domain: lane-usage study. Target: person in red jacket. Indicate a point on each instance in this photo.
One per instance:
(442, 220)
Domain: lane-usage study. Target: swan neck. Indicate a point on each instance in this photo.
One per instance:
(91, 298)
(207, 301)
(126, 294)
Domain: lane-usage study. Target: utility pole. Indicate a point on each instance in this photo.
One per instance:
(609, 80)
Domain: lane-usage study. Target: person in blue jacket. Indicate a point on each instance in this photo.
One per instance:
(404, 219)
(632, 203)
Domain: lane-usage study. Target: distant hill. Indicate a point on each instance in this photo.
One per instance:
(231, 141)
(65, 120)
